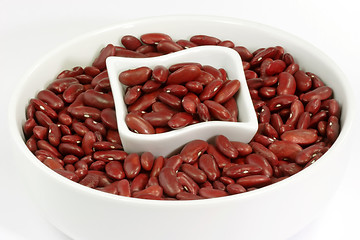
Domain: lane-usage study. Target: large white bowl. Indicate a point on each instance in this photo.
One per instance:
(273, 212)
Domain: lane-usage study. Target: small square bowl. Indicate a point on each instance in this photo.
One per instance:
(216, 56)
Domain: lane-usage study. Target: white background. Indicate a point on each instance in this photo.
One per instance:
(30, 29)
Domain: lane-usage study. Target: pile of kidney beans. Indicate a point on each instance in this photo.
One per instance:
(71, 127)
(162, 99)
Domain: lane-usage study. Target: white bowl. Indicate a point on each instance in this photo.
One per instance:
(219, 57)
(273, 212)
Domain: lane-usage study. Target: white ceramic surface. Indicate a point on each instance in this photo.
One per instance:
(274, 212)
(219, 57)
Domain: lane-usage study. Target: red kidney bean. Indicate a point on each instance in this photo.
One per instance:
(224, 145)
(211, 193)
(194, 173)
(275, 67)
(219, 185)
(98, 100)
(51, 99)
(41, 106)
(174, 162)
(210, 90)
(71, 93)
(90, 180)
(281, 101)
(205, 40)
(87, 142)
(315, 119)
(168, 46)
(122, 52)
(177, 90)
(54, 134)
(71, 149)
(192, 150)
(132, 94)
(60, 85)
(244, 53)
(185, 43)
(130, 42)
(292, 68)
(180, 120)
(285, 150)
(203, 112)
(187, 196)
(170, 100)
(108, 118)
(208, 164)
(194, 86)
(157, 166)
(132, 165)
(135, 76)
(184, 74)
(138, 124)
(29, 126)
(263, 54)
(83, 112)
(190, 102)
(242, 170)
(139, 182)
(110, 155)
(104, 145)
(31, 144)
(313, 106)
(144, 102)
(217, 110)
(71, 73)
(307, 154)
(303, 81)
(53, 164)
(289, 169)
(98, 78)
(155, 191)
(257, 159)
(255, 83)
(114, 170)
(300, 136)
(304, 121)
(332, 129)
(177, 66)
(168, 181)
(220, 158)
(150, 86)
(147, 160)
(187, 183)
(296, 108)
(287, 84)
(267, 92)
(254, 181)
(332, 106)
(264, 115)
(158, 119)
(216, 73)
(160, 73)
(233, 109)
(235, 188)
(265, 152)
(123, 187)
(320, 93)
(227, 91)
(153, 38)
(68, 174)
(107, 51)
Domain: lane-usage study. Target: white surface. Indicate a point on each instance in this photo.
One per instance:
(219, 57)
(29, 29)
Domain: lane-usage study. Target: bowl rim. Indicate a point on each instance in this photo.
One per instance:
(19, 141)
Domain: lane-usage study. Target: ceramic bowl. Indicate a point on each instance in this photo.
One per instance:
(274, 212)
